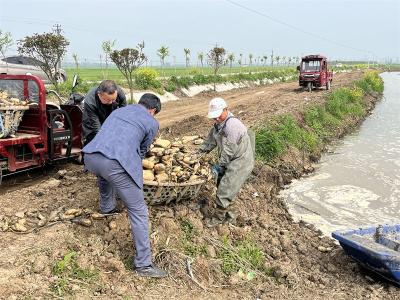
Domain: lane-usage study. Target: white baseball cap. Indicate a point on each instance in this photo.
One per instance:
(216, 107)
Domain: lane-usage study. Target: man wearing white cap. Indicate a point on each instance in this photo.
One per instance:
(236, 157)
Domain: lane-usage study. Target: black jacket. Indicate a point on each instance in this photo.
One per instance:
(95, 113)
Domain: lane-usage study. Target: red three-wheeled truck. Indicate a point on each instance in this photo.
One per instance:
(33, 131)
(314, 72)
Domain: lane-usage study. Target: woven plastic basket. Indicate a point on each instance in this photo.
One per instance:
(165, 192)
(10, 117)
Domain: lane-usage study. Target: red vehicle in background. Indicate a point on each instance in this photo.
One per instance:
(40, 132)
(314, 72)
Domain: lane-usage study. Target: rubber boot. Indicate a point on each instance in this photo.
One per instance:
(221, 216)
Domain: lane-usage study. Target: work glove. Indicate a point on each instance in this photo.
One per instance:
(218, 172)
(216, 169)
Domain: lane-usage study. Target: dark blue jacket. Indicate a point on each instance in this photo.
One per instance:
(126, 136)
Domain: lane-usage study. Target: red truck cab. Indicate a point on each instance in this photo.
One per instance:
(314, 72)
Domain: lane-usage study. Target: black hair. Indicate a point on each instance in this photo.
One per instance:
(150, 101)
(107, 86)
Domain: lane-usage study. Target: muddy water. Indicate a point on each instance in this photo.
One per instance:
(358, 183)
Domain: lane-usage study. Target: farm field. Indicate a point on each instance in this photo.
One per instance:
(67, 260)
(262, 135)
(98, 74)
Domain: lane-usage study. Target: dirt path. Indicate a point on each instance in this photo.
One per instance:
(251, 102)
(102, 254)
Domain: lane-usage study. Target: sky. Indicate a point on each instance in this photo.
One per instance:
(339, 29)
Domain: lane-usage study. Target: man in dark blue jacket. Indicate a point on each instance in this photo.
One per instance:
(115, 156)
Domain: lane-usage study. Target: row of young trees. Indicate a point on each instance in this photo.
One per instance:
(50, 48)
(230, 59)
(128, 60)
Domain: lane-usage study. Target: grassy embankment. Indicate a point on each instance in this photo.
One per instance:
(147, 78)
(317, 126)
(319, 123)
(98, 74)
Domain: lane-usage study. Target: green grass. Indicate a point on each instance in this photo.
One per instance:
(274, 137)
(244, 255)
(371, 83)
(172, 79)
(268, 143)
(190, 248)
(97, 74)
(321, 122)
(67, 271)
(174, 82)
(344, 102)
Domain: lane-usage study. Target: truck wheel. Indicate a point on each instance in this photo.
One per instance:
(309, 86)
(328, 85)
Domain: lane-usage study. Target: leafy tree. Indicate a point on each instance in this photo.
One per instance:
(277, 59)
(231, 58)
(187, 56)
(127, 61)
(107, 48)
(5, 42)
(49, 48)
(216, 58)
(250, 59)
(200, 57)
(240, 59)
(163, 52)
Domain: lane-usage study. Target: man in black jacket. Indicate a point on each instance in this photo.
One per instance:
(99, 103)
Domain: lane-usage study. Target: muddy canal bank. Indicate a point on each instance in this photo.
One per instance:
(358, 183)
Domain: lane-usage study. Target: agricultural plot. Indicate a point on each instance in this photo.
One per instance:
(266, 255)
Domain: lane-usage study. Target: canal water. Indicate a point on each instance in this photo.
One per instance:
(358, 183)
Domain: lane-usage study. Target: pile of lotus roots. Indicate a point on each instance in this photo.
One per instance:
(176, 161)
(6, 100)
